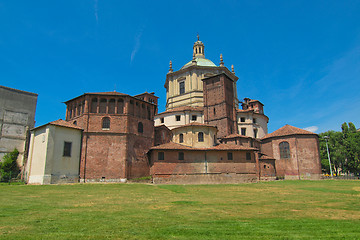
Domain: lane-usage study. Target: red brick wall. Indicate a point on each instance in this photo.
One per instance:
(120, 151)
(219, 107)
(304, 161)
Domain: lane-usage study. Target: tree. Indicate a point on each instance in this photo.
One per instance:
(351, 143)
(8, 167)
(336, 152)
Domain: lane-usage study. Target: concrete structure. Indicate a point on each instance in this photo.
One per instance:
(118, 132)
(17, 117)
(54, 154)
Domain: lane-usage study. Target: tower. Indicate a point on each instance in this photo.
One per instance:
(219, 104)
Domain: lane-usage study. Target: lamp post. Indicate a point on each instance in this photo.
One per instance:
(327, 148)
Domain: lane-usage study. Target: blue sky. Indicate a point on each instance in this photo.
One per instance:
(300, 58)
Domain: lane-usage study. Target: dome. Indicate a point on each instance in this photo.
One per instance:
(200, 62)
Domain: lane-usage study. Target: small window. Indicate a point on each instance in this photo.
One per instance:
(182, 87)
(140, 127)
(284, 150)
(200, 137)
(255, 133)
(67, 149)
(181, 138)
(161, 120)
(229, 156)
(181, 155)
(242, 119)
(194, 117)
(254, 120)
(161, 156)
(106, 123)
(75, 122)
(178, 117)
(243, 131)
(214, 111)
(248, 156)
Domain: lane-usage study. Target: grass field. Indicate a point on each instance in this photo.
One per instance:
(270, 210)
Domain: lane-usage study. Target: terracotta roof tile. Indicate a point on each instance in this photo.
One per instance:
(196, 124)
(235, 135)
(63, 123)
(288, 130)
(266, 157)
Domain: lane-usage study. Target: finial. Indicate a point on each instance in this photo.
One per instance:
(170, 66)
(198, 37)
(221, 61)
(232, 69)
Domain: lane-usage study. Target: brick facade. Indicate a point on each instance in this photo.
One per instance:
(219, 104)
(118, 132)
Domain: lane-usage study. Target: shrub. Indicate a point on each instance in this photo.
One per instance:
(8, 167)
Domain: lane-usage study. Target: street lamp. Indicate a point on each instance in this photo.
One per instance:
(327, 148)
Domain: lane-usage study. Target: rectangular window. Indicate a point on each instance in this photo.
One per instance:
(193, 117)
(255, 133)
(243, 131)
(248, 156)
(178, 117)
(181, 156)
(230, 156)
(254, 120)
(67, 149)
(242, 119)
(182, 87)
(161, 156)
(162, 120)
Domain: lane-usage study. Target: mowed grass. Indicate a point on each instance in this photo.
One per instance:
(267, 210)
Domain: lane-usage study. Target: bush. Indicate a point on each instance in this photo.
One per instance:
(8, 167)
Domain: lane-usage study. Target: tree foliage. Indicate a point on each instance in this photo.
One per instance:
(8, 167)
(344, 150)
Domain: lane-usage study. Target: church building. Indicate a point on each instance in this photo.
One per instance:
(203, 136)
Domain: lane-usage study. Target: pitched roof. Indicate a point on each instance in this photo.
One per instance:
(195, 124)
(288, 130)
(235, 135)
(266, 157)
(60, 123)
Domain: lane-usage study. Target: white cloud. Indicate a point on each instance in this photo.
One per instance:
(137, 45)
(311, 128)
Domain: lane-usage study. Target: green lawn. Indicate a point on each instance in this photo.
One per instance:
(272, 210)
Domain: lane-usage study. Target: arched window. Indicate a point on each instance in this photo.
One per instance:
(106, 123)
(140, 127)
(120, 106)
(93, 107)
(111, 109)
(102, 107)
(284, 150)
(181, 138)
(200, 137)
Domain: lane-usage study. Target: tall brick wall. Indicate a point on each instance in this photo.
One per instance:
(219, 104)
(119, 151)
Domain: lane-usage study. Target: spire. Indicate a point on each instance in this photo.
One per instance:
(232, 69)
(221, 61)
(170, 67)
(199, 48)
